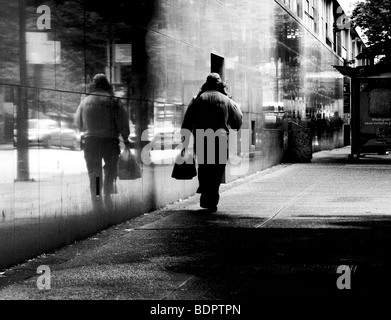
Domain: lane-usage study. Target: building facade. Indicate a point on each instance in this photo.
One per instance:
(277, 58)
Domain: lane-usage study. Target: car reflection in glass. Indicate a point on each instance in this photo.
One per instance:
(51, 133)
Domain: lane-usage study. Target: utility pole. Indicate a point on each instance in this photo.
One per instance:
(23, 173)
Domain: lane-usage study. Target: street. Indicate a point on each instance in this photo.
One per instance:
(43, 163)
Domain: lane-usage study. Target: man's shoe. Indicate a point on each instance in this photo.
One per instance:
(211, 209)
(203, 205)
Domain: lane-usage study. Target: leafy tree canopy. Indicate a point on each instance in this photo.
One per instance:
(374, 18)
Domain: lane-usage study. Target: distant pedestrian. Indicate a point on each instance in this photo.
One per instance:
(102, 118)
(211, 109)
(285, 129)
(336, 124)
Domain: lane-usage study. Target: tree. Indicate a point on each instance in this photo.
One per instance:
(374, 18)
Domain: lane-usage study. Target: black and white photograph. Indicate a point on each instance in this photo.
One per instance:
(195, 158)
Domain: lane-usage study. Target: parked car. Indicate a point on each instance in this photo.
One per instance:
(70, 137)
(48, 133)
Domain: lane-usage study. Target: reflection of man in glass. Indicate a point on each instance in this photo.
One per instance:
(214, 112)
(102, 118)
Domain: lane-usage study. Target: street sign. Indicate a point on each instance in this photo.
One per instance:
(40, 50)
(123, 53)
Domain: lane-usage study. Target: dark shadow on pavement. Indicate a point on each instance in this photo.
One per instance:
(284, 263)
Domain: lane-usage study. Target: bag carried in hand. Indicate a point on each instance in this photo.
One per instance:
(184, 167)
(128, 168)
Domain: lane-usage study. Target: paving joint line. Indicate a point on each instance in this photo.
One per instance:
(294, 199)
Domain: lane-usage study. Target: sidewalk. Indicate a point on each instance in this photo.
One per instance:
(278, 234)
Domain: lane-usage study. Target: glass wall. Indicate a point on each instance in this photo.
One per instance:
(156, 54)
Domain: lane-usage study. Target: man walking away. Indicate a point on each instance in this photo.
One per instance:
(211, 111)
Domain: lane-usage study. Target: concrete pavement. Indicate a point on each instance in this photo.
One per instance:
(282, 233)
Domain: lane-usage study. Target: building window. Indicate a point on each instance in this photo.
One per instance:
(253, 134)
(329, 25)
(299, 8)
(310, 12)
